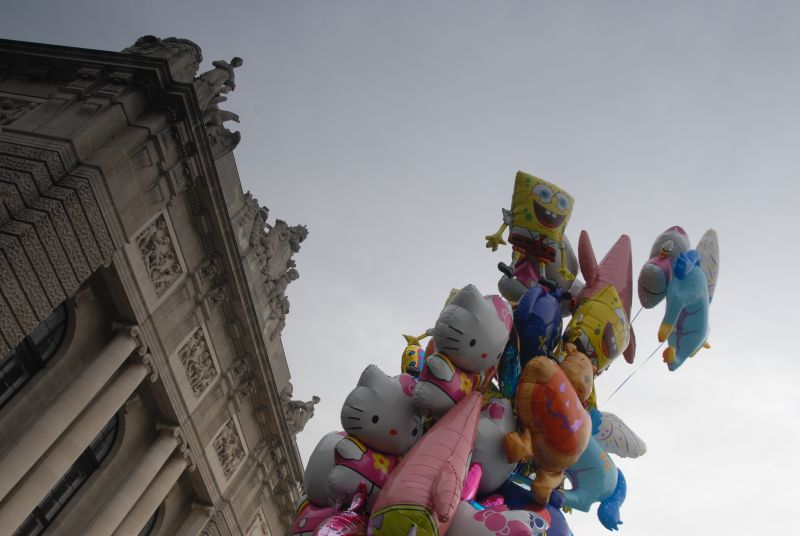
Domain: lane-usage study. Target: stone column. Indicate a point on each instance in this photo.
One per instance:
(153, 497)
(135, 484)
(196, 521)
(21, 502)
(64, 410)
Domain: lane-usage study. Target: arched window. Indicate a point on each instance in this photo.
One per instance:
(88, 462)
(32, 354)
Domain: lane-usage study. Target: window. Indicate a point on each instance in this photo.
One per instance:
(32, 354)
(88, 462)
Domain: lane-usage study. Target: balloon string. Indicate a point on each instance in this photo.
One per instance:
(635, 371)
(637, 314)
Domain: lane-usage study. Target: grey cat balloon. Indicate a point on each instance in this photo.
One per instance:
(382, 424)
(320, 464)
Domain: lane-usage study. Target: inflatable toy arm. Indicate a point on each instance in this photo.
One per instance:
(496, 239)
(438, 368)
(563, 270)
(348, 450)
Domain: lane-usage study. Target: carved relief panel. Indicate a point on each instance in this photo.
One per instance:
(12, 109)
(156, 259)
(227, 451)
(195, 356)
(157, 250)
(196, 366)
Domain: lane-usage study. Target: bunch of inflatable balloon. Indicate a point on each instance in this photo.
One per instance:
(493, 427)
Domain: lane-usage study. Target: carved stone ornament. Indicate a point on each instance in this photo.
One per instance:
(195, 356)
(296, 412)
(158, 255)
(229, 448)
(183, 445)
(13, 109)
(258, 527)
(222, 140)
(135, 333)
(217, 526)
(249, 210)
(183, 55)
(209, 268)
(274, 246)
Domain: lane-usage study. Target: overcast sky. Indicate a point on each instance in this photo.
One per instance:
(394, 130)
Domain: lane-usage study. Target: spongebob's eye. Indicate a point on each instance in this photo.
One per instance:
(544, 193)
(562, 202)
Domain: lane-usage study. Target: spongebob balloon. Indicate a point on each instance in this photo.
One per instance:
(413, 355)
(600, 325)
(539, 213)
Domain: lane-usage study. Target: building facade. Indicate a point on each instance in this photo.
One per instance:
(144, 388)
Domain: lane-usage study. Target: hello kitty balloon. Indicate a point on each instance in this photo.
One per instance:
(497, 420)
(381, 424)
(320, 464)
(469, 336)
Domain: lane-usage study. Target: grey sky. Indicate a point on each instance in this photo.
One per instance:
(394, 130)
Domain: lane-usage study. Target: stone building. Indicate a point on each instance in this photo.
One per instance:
(144, 387)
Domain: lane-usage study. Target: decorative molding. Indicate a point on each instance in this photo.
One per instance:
(136, 334)
(208, 269)
(198, 363)
(216, 526)
(159, 255)
(13, 109)
(249, 210)
(152, 370)
(229, 448)
(183, 444)
(260, 524)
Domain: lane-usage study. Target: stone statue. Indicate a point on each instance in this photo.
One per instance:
(216, 82)
(298, 413)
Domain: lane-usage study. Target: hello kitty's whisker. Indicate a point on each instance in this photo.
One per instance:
(353, 418)
(449, 348)
(452, 339)
(455, 329)
(355, 408)
(354, 428)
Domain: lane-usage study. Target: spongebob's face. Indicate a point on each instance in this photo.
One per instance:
(541, 206)
(599, 328)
